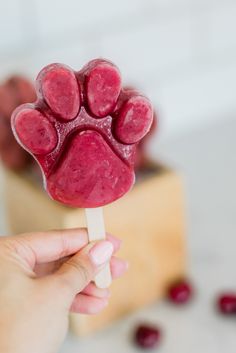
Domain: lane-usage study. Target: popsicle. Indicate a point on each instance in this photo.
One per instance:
(141, 155)
(83, 131)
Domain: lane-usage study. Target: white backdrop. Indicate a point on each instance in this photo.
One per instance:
(182, 53)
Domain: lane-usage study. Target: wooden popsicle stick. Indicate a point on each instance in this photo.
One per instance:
(96, 231)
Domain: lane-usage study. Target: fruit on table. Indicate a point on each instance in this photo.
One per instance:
(147, 336)
(83, 131)
(180, 292)
(226, 303)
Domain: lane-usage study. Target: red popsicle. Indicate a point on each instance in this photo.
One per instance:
(83, 131)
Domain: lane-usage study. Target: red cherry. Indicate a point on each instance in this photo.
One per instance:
(180, 292)
(147, 336)
(227, 303)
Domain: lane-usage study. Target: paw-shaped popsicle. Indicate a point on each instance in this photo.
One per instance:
(83, 131)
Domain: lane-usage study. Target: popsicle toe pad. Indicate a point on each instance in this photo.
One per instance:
(83, 131)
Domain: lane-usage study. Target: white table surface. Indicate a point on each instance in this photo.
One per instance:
(207, 159)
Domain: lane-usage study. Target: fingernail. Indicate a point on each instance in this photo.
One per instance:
(101, 252)
(126, 264)
(115, 240)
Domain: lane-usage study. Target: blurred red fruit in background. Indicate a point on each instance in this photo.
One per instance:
(147, 336)
(14, 91)
(180, 292)
(226, 303)
(142, 157)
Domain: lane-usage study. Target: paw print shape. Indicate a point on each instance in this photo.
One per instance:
(83, 131)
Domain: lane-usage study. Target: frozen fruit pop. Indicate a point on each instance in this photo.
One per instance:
(83, 131)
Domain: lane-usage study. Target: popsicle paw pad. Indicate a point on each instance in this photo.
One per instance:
(83, 131)
(44, 135)
(57, 84)
(103, 86)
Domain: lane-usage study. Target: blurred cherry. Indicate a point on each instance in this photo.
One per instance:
(141, 158)
(226, 303)
(147, 336)
(180, 292)
(21, 88)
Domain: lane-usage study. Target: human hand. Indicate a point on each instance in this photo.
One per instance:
(43, 277)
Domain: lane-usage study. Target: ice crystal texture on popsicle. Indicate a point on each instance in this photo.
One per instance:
(83, 131)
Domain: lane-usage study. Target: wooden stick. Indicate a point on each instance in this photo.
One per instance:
(96, 231)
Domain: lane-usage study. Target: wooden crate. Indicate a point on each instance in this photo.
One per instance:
(150, 220)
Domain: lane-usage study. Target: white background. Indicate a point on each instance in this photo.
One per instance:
(181, 53)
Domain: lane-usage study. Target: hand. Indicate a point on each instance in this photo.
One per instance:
(44, 276)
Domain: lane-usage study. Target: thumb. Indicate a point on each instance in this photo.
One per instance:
(75, 274)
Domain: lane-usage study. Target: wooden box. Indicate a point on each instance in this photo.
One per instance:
(149, 219)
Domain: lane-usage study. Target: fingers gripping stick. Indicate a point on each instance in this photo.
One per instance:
(96, 231)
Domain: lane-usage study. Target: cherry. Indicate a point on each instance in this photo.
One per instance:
(180, 292)
(226, 303)
(147, 336)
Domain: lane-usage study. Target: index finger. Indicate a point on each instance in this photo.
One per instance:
(44, 247)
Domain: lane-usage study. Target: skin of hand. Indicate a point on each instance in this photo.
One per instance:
(43, 277)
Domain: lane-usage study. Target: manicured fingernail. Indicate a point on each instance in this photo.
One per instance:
(126, 265)
(116, 241)
(101, 252)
